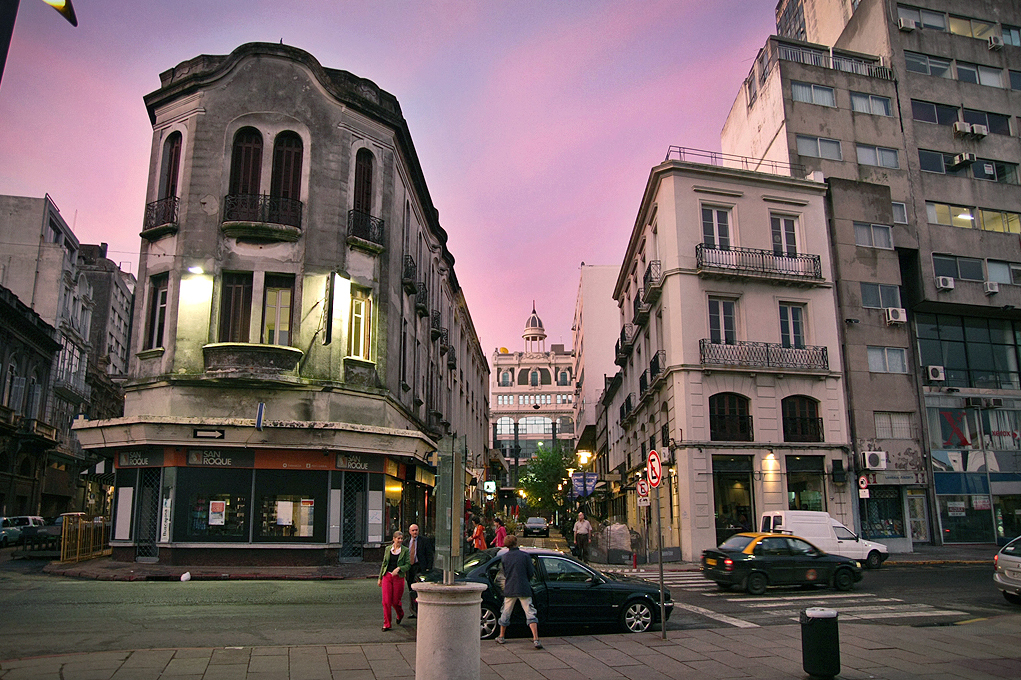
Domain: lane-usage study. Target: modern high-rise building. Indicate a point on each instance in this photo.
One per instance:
(303, 347)
(910, 112)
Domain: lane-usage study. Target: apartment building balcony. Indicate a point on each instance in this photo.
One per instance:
(409, 275)
(365, 231)
(444, 341)
(657, 367)
(31, 427)
(436, 325)
(262, 217)
(161, 218)
(802, 429)
(451, 358)
(422, 300)
(762, 355)
(644, 385)
(72, 387)
(250, 360)
(833, 61)
(627, 408)
(729, 427)
(641, 308)
(753, 263)
(652, 282)
(8, 419)
(625, 343)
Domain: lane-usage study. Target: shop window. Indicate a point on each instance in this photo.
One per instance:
(729, 417)
(156, 317)
(882, 513)
(276, 311)
(236, 307)
(217, 516)
(732, 494)
(805, 483)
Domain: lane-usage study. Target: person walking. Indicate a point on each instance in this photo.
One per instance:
(396, 562)
(501, 533)
(479, 535)
(420, 552)
(517, 572)
(582, 529)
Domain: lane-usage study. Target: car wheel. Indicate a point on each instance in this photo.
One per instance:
(1011, 597)
(637, 618)
(843, 579)
(874, 560)
(756, 583)
(488, 623)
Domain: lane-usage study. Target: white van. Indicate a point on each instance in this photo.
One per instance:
(826, 533)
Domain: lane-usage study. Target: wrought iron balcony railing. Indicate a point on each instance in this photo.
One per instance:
(436, 324)
(657, 365)
(365, 226)
(422, 299)
(444, 341)
(730, 428)
(763, 355)
(161, 213)
(627, 407)
(451, 358)
(644, 383)
(262, 208)
(641, 308)
(802, 429)
(622, 350)
(757, 263)
(409, 277)
(652, 281)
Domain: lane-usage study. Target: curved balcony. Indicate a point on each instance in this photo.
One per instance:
(409, 276)
(250, 360)
(161, 218)
(262, 217)
(652, 281)
(365, 231)
(758, 264)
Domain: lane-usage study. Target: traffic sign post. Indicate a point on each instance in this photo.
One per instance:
(655, 473)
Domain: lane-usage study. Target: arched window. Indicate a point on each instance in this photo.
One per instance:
(729, 418)
(364, 163)
(564, 379)
(801, 421)
(286, 179)
(505, 379)
(246, 163)
(533, 378)
(171, 166)
(505, 426)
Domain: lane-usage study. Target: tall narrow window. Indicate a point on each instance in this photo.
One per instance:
(170, 166)
(156, 317)
(236, 307)
(716, 228)
(359, 337)
(783, 236)
(364, 162)
(722, 328)
(246, 163)
(792, 325)
(286, 180)
(276, 313)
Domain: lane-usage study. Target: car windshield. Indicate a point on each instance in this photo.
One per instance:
(535, 521)
(736, 542)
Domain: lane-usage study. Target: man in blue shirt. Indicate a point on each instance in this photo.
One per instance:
(518, 572)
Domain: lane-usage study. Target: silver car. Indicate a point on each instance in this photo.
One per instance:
(9, 534)
(1007, 571)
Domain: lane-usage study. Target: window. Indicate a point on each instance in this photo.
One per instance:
(171, 165)
(236, 307)
(364, 162)
(997, 123)
(927, 112)
(950, 215)
(862, 102)
(812, 94)
(995, 171)
(505, 379)
(932, 66)
(286, 180)
(900, 212)
(879, 295)
(973, 28)
(1012, 35)
(276, 310)
(1015, 80)
(888, 360)
(792, 325)
(564, 378)
(873, 235)
(877, 155)
(716, 227)
(923, 17)
(975, 352)
(729, 419)
(533, 378)
(819, 147)
(1001, 221)
(999, 271)
(156, 317)
(892, 425)
(359, 337)
(967, 268)
(721, 321)
(801, 421)
(982, 75)
(942, 163)
(246, 163)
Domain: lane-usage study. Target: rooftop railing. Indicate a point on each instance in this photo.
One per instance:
(810, 57)
(726, 160)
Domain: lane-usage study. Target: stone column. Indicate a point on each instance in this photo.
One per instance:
(448, 645)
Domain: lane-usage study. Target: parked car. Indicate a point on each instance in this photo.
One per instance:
(9, 534)
(565, 591)
(825, 532)
(1007, 571)
(31, 526)
(756, 561)
(535, 526)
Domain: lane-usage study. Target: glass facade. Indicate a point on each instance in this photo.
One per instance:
(805, 483)
(732, 490)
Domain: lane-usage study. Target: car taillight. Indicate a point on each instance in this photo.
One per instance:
(996, 561)
(728, 564)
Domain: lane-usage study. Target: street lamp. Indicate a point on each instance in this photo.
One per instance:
(9, 12)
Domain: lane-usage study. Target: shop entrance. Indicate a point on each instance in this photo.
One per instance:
(732, 491)
(147, 515)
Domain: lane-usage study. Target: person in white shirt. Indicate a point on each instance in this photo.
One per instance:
(582, 529)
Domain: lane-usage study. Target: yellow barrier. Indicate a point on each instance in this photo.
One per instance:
(82, 538)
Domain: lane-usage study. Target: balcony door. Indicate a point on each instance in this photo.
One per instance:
(722, 323)
(716, 227)
(784, 241)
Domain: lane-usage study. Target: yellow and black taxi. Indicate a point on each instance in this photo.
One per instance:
(756, 561)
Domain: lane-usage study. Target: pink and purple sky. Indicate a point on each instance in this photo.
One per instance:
(536, 123)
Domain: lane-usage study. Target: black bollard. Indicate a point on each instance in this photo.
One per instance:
(820, 642)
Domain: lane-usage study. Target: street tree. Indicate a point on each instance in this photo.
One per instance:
(544, 474)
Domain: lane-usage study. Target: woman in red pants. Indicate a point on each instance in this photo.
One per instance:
(396, 562)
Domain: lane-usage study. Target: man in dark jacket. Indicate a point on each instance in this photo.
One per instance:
(518, 572)
(421, 549)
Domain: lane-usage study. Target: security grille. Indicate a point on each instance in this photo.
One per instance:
(148, 515)
(352, 533)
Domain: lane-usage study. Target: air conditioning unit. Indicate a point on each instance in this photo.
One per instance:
(896, 315)
(873, 460)
(995, 42)
(944, 283)
(991, 287)
(962, 128)
(979, 131)
(995, 402)
(965, 158)
(908, 25)
(935, 373)
(973, 402)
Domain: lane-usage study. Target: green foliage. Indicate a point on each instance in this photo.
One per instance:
(543, 474)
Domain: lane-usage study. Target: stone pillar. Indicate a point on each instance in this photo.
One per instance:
(448, 645)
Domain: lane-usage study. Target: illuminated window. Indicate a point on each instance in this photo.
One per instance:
(359, 337)
(157, 314)
(276, 313)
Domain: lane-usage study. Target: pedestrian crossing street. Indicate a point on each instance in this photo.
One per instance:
(785, 606)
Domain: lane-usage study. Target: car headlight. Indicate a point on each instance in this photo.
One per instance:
(858, 564)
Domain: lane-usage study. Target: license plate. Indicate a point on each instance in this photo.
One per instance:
(710, 561)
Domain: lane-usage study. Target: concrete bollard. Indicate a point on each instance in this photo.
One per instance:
(448, 645)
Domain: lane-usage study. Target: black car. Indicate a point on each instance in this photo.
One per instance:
(535, 526)
(755, 561)
(564, 591)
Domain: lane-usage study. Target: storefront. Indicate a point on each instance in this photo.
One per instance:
(242, 506)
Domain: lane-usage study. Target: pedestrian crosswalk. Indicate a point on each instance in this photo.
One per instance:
(783, 606)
